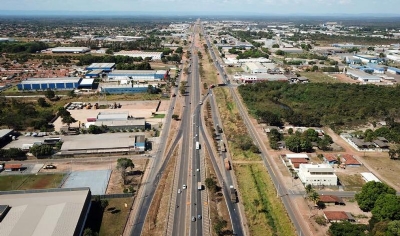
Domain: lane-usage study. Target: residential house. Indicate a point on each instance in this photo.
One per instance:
(330, 200)
(338, 216)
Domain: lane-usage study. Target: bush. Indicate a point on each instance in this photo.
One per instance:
(320, 220)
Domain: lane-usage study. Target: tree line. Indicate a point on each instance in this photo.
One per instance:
(317, 104)
(19, 47)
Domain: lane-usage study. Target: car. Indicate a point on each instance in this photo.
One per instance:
(193, 218)
(49, 167)
(179, 190)
(34, 134)
(184, 186)
(199, 217)
(28, 134)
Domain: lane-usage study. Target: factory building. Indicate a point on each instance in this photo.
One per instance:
(321, 174)
(70, 50)
(362, 76)
(50, 83)
(143, 55)
(254, 78)
(122, 89)
(104, 67)
(137, 75)
(52, 212)
(255, 68)
(393, 70)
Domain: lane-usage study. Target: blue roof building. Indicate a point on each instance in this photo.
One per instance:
(67, 83)
(393, 70)
(104, 67)
(145, 75)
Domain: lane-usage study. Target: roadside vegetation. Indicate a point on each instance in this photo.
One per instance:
(265, 213)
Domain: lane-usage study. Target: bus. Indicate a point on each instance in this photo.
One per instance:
(199, 186)
(52, 140)
(197, 145)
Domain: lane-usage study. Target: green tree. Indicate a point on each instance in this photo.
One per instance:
(109, 51)
(68, 120)
(41, 151)
(94, 129)
(347, 229)
(104, 204)
(211, 184)
(42, 102)
(309, 188)
(122, 165)
(293, 143)
(50, 94)
(89, 232)
(387, 207)
(220, 224)
(370, 192)
(275, 45)
(314, 197)
(394, 228)
(179, 50)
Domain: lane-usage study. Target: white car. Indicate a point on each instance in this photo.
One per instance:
(184, 186)
(198, 170)
(179, 190)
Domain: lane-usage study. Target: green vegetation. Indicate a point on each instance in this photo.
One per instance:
(122, 165)
(22, 47)
(347, 229)
(25, 182)
(369, 194)
(12, 154)
(317, 104)
(107, 217)
(159, 116)
(265, 212)
(41, 151)
(251, 53)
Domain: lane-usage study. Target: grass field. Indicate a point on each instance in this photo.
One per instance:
(351, 182)
(112, 220)
(114, 217)
(319, 77)
(265, 213)
(25, 182)
(159, 116)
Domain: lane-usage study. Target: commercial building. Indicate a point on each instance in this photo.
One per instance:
(140, 143)
(317, 174)
(254, 78)
(123, 124)
(137, 75)
(143, 55)
(122, 89)
(86, 84)
(393, 70)
(5, 136)
(362, 76)
(112, 116)
(255, 68)
(368, 58)
(368, 176)
(50, 83)
(104, 67)
(52, 212)
(70, 50)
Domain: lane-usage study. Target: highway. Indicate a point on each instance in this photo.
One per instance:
(297, 220)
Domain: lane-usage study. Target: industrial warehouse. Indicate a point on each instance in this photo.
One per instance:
(143, 55)
(55, 83)
(44, 212)
(70, 50)
(104, 67)
(137, 75)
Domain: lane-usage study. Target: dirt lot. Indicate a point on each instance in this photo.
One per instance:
(134, 108)
(345, 79)
(115, 183)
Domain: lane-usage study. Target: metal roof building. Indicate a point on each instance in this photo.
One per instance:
(368, 176)
(363, 77)
(52, 212)
(49, 83)
(105, 67)
(105, 116)
(70, 50)
(136, 75)
(122, 89)
(152, 55)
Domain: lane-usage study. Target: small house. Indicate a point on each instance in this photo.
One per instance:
(331, 200)
(338, 216)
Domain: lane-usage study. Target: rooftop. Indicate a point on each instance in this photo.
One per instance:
(51, 80)
(330, 198)
(101, 65)
(48, 212)
(4, 132)
(336, 215)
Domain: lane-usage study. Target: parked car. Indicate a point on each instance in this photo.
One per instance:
(50, 167)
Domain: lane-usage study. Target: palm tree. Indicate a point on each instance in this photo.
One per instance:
(314, 196)
(309, 188)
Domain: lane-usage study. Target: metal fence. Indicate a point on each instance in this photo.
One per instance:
(116, 195)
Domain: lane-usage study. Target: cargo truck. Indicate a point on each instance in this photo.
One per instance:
(199, 186)
(222, 146)
(227, 164)
(233, 194)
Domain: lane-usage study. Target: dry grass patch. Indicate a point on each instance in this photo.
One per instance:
(114, 217)
(351, 182)
(381, 163)
(157, 217)
(265, 212)
(319, 77)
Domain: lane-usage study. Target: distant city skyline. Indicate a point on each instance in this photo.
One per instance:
(206, 7)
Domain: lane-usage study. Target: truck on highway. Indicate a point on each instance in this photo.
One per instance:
(199, 186)
(233, 194)
(227, 164)
(222, 146)
(197, 145)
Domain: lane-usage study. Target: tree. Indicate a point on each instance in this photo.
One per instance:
(94, 129)
(104, 204)
(313, 196)
(211, 184)
(175, 116)
(220, 224)
(123, 164)
(41, 151)
(179, 50)
(370, 192)
(293, 143)
(63, 112)
(68, 120)
(49, 94)
(109, 51)
(42, 102)
(387, 207)
(394, 228)
(275, 45)
(309, 188)
(347, 229)
(89, 232)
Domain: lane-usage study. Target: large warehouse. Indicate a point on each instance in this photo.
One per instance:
(53, 212)
(105, 67)
(143, 55)
(121, 89)
(138, 75)
(50, 83)
(70, 50)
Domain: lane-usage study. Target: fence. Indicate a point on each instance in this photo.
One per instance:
(116, 195)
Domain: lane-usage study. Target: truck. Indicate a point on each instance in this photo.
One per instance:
(199, 186)
(222, 146)
(227, 164)
(233, 194)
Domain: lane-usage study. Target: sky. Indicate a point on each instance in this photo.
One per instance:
(245, 7)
